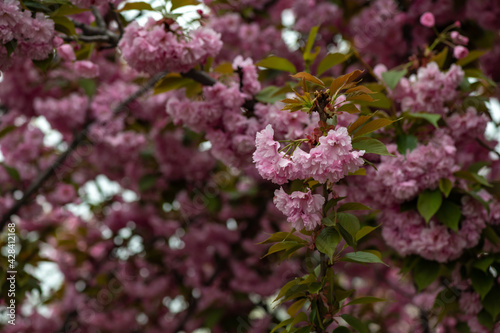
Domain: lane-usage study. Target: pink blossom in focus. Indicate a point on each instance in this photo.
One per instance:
(302, 209)
(460, 52)
(427, 20)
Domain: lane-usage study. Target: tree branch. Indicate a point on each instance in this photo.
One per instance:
(77, 140)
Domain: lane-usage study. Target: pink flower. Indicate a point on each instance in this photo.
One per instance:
(332, 160)
(303, 210)
(460, 52)
(86, 69)
(458, 38)
(66, 53)
(427, 20)
(269, 162)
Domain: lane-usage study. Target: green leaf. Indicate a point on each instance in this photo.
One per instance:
(296, 292)
(429, 203)
(307, 55)
(485, 319)
(482, 282)
(88, 85)
(277, 63)
(6, 130)
(271, 94)
(473, 55)
(425, 272)
(305, 329)
(171, 82)
(445, 185)
(10, 46)
(35, 6)
(329, 61)
(440, 58)
(359, 172)
(473, 177)
(69, 9)
(491, 235)
(477, 166)
(283, 236)
(352, 206)
(364, 231)
(297, 319)
(342, 329)
(136, 6)
(348, 226)
(328, 221)
(147, 182)
(406, 142)
(308, 77)
(295, 307)
(363, 257)
(327, 241)
(366, 300)
(281, 247)
(349, 108)
(64, 25)
(373, 126)
(331, 203)
(392, 78)
(491, 302)
(355, 323)
(449, 214)
(484, 263)
(370, 145)
(430, 117)
(45, 63)
(282, 324)
(360, 121)
(13, 173)
(181, 3)
(286, 287)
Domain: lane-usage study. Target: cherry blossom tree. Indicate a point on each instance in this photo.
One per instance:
(250, 166)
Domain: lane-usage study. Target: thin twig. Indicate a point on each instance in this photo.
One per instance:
(116, 16)
(98, 17)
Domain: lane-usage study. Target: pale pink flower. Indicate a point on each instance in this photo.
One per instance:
(303, 209)
(427, 20)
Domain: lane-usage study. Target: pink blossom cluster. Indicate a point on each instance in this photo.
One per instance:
(403, 177)
(23, 150)
(429, 90)
(311, 13)
(465, 129)
(407, 233)
(33, 35)
(302, 209)
(154, 48)
(246, 39)
(178, 162)
(331, 160)
(485, 13)
(377, 29)
(489, 62)
(219, 115)
(64, 114)
(250, 81)
(20, 86)
(287, 125)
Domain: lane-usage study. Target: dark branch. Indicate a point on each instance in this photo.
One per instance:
(200, 77)
(77, 140)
